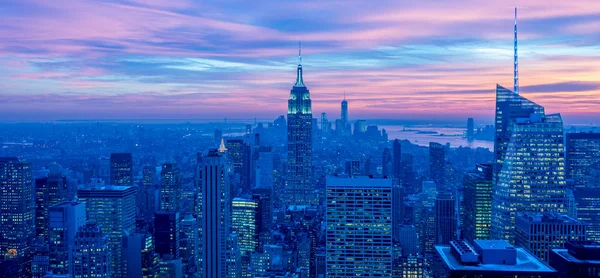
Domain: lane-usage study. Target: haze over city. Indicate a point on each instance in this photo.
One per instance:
(404, 60)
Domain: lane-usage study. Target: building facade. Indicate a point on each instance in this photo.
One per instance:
(583, 155)
(121, 169)
(588, 210)
(530, 162)
(539, 233)
(170, 189)
(437, 163)
(359, 227)
(214, 210)
(17, 206)
(91, 252)
(244, 224)
(113, 209)
(477, 218)
(445, 218)
(64, 221)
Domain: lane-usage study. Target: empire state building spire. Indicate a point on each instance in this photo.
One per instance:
(299, 81)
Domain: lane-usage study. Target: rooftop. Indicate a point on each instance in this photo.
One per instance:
(569, 257)
(493, 244)
(525, 262)
(104, 188)
(548, 217)
(358, 181)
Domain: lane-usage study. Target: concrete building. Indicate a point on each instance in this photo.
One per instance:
(359, 227)
(539, 233)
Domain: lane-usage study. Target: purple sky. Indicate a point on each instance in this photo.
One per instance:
(165, 59)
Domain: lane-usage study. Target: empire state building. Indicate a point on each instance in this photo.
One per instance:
(299, 189)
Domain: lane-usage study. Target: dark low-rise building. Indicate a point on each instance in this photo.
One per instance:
(578, 259)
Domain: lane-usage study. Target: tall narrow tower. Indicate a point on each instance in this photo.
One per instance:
(298, 187)
(516, 60)
(344, 115)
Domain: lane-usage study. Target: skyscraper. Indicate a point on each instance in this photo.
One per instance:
(445, 218)
(397, 210)
(166, 233)
(188, 246)
(386, 162)
(532, 177)
(588, 210)
(397, 165)
(353, 167)
(244, 224)
(64, 221)
(437, 163)
(170, 190)
(17, 226)
(139, 253)
(264, 168)
(91, 252)
(49, 191)
(343, 125)
(113, 208)
(344, 114)
(238, 152)
(477, 194)
(407, 178)
(121, 169)
(299, 188)
(409, 240)
(470, 129)
(583, 155)
(359, 227)
(214, 214)
(529, 174)
(147, 204)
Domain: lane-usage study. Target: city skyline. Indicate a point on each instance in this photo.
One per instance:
(393, 61)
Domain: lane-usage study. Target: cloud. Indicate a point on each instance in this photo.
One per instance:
(160, 58)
